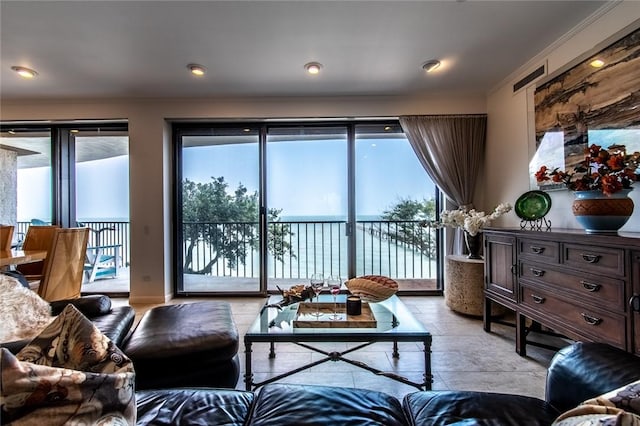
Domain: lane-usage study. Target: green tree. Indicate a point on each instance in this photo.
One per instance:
(406, 224)
(227, 222)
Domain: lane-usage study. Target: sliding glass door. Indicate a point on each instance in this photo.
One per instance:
(263, 206)
(307, 201)
(72, 174)
(395, 199)
(219, 201)
(102, 205)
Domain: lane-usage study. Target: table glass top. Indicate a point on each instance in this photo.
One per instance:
(392, 316)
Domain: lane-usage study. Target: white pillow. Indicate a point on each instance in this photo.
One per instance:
(23, 314)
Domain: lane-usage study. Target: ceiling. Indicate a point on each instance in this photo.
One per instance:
(123, 49)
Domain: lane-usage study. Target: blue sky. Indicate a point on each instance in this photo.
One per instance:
(102, 190)
(309, 178)
(305, 178)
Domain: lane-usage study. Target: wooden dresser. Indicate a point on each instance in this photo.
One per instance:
(585, 287)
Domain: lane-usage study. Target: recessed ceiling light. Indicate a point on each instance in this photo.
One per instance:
(431, 65)
(24, 72)
(597, 63)
(313, 68)
(196, 69)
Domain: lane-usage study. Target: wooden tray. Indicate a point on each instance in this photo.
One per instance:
(306, 319)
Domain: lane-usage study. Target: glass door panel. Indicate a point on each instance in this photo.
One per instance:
(219, 191)
(394, 195)
(102, 205)
(26, 190)
(306, 175)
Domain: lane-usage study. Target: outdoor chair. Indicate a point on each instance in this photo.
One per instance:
(102, 262)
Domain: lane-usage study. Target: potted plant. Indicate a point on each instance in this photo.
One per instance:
(601, 183)
(472, 222)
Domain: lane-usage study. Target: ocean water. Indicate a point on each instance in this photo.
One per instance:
(322, 247)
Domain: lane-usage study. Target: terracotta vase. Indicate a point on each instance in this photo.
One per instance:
(598, 213)
(474, 245)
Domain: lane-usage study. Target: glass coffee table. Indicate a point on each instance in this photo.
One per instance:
(392, 323)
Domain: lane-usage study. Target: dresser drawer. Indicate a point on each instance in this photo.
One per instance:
(590, 323)
(602, 260)
(590, 288)
(540, 250)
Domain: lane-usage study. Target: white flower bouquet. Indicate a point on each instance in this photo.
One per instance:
(470, 221)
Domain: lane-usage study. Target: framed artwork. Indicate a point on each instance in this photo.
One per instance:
(595, 102)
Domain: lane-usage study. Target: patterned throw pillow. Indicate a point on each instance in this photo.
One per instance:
(70, 374)
(620, 407)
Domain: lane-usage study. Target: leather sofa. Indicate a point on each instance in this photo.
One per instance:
(577, 372)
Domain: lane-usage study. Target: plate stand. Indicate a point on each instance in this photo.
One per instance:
(536, 225)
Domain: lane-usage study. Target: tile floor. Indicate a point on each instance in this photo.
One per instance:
(464, 356)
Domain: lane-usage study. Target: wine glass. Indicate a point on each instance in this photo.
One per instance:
(334, 284)
(317, 282)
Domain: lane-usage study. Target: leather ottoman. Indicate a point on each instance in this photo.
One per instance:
(185, 345)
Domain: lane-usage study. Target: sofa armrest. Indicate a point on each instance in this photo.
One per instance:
(585, 370)
(90, 306)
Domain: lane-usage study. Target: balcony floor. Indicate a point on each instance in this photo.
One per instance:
(203, 283)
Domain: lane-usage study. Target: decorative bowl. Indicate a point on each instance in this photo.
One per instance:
(372, 288)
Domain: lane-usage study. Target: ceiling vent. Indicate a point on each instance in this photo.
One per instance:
(530, 78)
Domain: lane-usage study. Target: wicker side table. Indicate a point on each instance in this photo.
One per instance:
(464, 285)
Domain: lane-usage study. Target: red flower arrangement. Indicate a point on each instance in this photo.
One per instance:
(607, 170)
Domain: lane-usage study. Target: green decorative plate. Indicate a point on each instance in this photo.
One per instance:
(533, 205)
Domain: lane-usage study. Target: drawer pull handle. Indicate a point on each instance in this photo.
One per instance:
(590, 286)
(591, 320)
(514, 269)
(537, 299)
(591, 258)
(537, 250)
(537, 272)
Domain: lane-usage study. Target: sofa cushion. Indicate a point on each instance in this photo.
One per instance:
(476, 408)
(69, 374)
(300, 405)
(195, 407)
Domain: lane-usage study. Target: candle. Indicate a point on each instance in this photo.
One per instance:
(354, 305)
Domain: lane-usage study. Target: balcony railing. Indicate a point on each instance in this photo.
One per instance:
(103, 233)
(297, 249)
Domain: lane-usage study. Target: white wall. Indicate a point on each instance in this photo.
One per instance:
(150, 153)
(510, 128)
